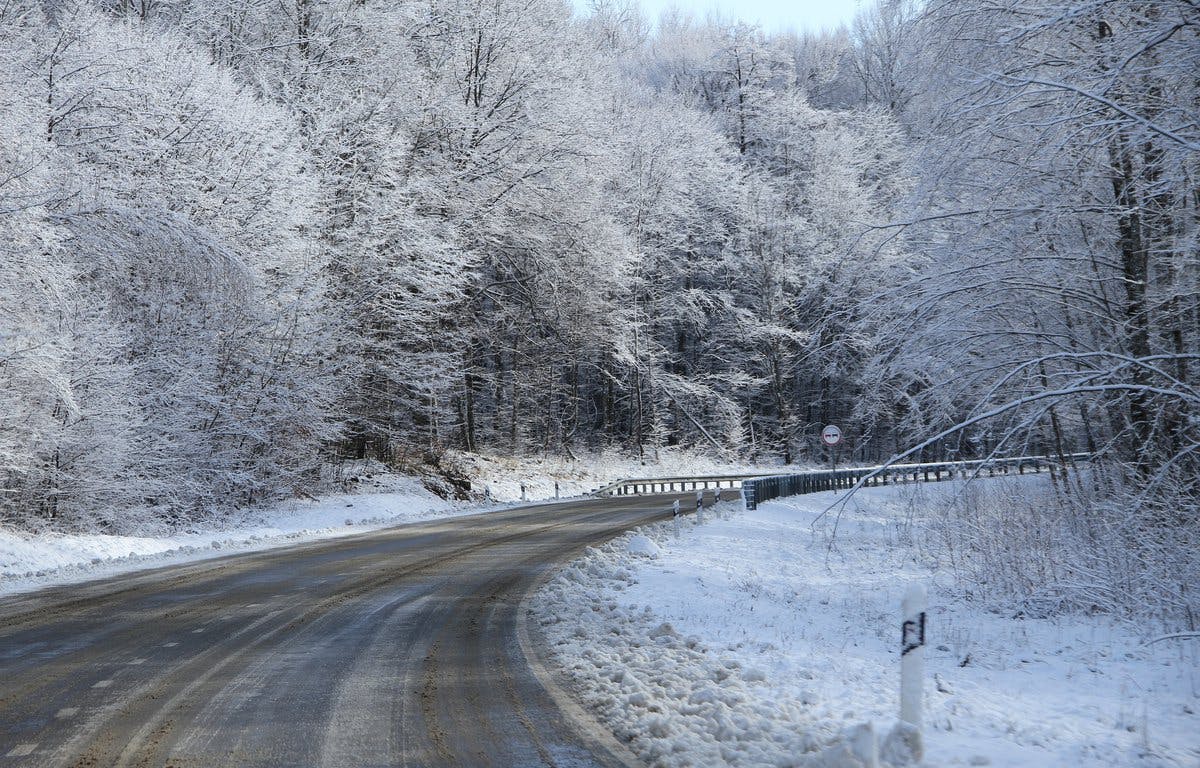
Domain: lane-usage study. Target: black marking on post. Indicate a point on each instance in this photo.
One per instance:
(912, 634)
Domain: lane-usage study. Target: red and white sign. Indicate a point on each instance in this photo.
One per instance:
(831, 435)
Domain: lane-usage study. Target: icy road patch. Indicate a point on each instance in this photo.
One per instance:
(749, 641)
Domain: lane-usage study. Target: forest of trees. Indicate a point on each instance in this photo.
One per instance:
(241, 240)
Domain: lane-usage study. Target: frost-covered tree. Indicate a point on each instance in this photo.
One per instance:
(177, 256)
(680, 191)
(1061, 229)
(36, 294)
(1055, 308)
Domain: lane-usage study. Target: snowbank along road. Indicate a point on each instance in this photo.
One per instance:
(401, 647)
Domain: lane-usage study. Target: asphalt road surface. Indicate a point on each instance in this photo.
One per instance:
(402, 647)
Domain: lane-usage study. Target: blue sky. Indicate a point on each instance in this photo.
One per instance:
(774, 15)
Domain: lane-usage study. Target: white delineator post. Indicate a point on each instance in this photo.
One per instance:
(675, 516)
(912, 654)
(700, 507)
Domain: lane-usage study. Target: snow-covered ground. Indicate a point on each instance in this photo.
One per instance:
(750, 640)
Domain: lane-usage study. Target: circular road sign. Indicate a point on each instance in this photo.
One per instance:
(831, 435)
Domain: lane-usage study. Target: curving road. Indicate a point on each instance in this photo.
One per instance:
(403, 647)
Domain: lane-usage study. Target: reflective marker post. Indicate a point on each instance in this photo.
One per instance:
(675, 516)
(700, 506)
(912, 653)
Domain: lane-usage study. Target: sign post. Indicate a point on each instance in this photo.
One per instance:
(831, 436)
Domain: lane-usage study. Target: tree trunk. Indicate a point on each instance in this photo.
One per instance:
(1135, 272)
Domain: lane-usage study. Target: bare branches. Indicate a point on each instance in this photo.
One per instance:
(1148, 124)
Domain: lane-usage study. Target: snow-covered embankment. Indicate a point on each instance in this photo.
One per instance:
(756, 639)
(30, 561)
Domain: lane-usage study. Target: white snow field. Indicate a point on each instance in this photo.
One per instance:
(751, 641)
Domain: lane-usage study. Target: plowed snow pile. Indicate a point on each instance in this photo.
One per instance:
(756, 639)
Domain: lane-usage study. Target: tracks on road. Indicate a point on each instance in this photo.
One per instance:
(399, 647)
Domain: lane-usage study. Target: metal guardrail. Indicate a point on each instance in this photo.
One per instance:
(764, 486)
(761, 489)
(640, 486)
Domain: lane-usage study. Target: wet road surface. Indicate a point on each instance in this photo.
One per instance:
(402, 647)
